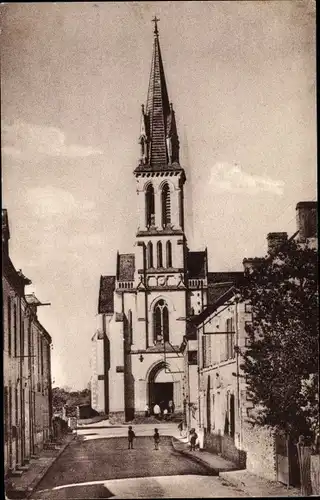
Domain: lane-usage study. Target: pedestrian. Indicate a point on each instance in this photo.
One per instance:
(180, 427)
(162, 408)
(131, 436)
(156, 438)
(147, 411)
(156, 410)
(170, 406)
(165, 413)
(193, 440)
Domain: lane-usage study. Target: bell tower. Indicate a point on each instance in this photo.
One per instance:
(160, 238)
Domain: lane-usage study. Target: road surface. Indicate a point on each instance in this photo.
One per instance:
(105, 468)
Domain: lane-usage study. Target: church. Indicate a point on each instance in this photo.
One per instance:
(145, 307)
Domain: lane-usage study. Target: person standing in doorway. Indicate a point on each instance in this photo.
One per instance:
(156, 410)
(171, 406)
(156, 438)
(146, 411)
(165, 413)
(131, 436)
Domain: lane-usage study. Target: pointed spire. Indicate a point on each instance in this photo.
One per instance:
(157, 106)
(158, 131)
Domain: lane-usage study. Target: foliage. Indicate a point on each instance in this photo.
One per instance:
(281, 362)
(63, 397)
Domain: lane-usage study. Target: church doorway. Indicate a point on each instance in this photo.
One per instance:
(160, 387)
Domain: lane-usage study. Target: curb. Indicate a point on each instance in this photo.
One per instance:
(211, 470)
(37, 480)
(238, 484)
(26, 492)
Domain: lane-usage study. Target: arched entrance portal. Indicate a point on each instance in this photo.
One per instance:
(160, 386)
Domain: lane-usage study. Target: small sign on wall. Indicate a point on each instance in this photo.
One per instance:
(120, 369)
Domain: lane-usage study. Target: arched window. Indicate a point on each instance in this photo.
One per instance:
(161, 322)
(150, 214)
(169, 254)
(165, 203)
(159, 254)
(149, 255)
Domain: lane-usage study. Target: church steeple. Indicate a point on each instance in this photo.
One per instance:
(158, 136)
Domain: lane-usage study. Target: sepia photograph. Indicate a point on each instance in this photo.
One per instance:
(160, 290)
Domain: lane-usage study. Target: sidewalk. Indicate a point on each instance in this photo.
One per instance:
(243, 480)
(216, 463)
(256, 486)
(22, 487)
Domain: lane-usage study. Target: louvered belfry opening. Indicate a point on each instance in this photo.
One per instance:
(150, 212)
(166, 205)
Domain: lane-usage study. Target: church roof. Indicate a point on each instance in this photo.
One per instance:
(219, 283)
(196, 264)
(5, 224)
(223, 293)
(107, 287)
(125, 267)
(224, 277)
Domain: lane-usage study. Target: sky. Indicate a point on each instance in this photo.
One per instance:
(241, 76)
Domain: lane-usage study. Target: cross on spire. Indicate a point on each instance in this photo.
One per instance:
(155, 21)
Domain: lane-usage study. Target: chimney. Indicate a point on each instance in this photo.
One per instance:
(251, 263)
(307, 219)
(275, 241)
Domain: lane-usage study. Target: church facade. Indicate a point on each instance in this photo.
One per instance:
(145, 306)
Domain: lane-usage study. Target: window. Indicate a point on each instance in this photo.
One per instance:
(9, 327)
(161, 322)
(149, 255)
(207, 353)
(165, 202)
(15, 333)
(230, 338)
(150, 213)
(169, 254)
(159, 254)
(213, 413)
(130, 339)
(204, 341)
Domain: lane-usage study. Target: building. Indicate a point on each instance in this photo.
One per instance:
(27, 372)
(223, 410)
(144, 307)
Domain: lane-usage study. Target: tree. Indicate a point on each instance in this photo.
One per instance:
(281, 362)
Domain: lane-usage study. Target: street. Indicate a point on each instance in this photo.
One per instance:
(98, 466)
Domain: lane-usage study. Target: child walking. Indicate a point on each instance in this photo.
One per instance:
(193, 440)
(156, 438)
(131, 436)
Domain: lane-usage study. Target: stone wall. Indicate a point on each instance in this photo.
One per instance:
(225, 446)
(259, 443)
